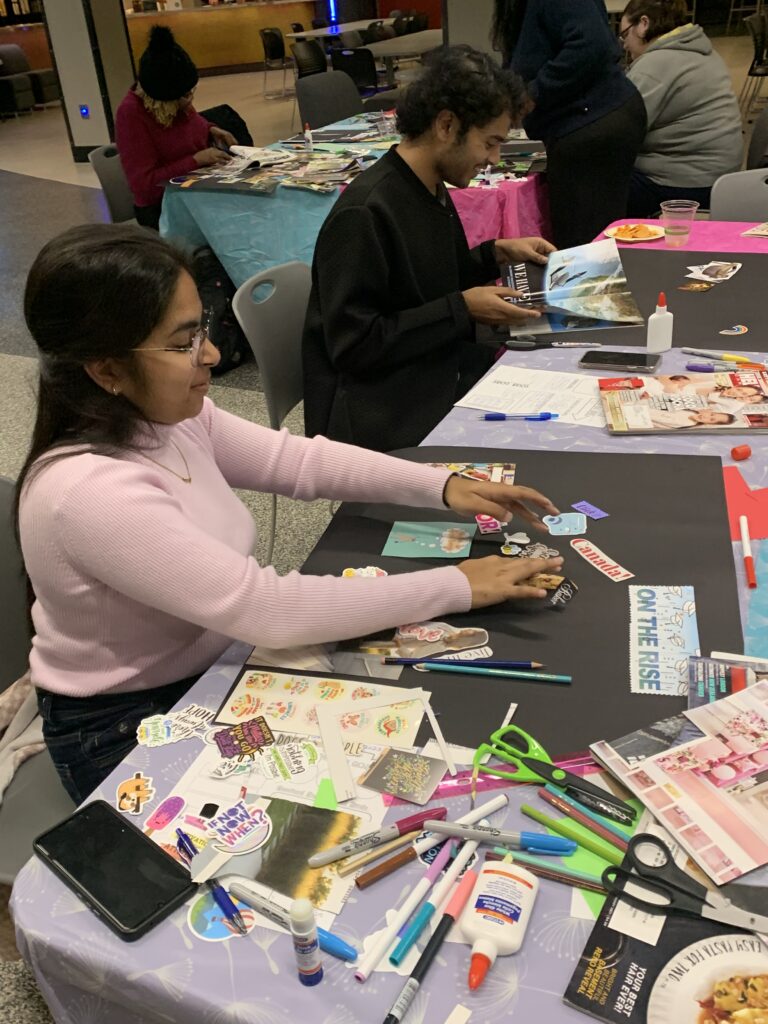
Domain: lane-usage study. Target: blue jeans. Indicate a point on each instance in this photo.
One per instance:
(646, 195)
(89, 736)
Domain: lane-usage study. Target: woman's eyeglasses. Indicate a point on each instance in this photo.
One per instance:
(192, 349)
(623, 34)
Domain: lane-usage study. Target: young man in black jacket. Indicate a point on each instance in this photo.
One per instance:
(389, 339)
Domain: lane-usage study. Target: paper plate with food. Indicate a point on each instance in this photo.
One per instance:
(635, 232)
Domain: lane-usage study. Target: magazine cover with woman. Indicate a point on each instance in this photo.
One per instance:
(708, 402)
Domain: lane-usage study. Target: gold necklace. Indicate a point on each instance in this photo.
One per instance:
(184, 479)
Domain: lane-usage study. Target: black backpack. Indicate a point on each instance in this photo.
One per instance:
(216, 292)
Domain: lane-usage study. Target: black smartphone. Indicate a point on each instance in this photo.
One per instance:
(116, 870)
(640, 361)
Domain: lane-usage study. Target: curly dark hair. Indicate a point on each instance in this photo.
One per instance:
(465, 81)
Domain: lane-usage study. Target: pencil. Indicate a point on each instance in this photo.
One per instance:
(552, 873)
(481, 662)
(565, 828)
(576, 815)
(352, 864)
(504, 673)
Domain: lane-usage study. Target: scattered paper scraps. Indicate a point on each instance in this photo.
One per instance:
(289, 703)
(367, 571)
(154, 731)
(164, 814)
(206, 920)
(134, 793)
(758, 231)
(240, 829)
(663, 633)
(601, 561)
(487, 524)
(538, 550)
(743, 501)
(495, 472)
(517, 538)
(695, 286)
(422, 640)
(566, 524)
(407, 775)
(714, 271)
(430, 540)
(565, 592)
(736, 329)
(589, 510)
(244, 739)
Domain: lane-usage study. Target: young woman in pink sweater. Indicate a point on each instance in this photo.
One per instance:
(138, 552)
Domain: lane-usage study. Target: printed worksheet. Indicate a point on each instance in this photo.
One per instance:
(514, 390)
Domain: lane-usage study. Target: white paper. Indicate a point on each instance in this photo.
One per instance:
(514, 390)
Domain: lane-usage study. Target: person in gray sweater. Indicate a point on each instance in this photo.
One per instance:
(694, 128)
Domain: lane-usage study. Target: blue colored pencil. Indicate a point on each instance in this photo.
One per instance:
(504, 673)
(483, 662)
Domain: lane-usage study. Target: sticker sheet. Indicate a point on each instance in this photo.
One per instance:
(409, 776)
(663, 633)
(288, 701)
(430, 540)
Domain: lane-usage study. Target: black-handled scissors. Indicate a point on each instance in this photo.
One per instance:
(664, 888)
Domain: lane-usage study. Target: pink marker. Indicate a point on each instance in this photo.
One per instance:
(417, 894)
(382, 835)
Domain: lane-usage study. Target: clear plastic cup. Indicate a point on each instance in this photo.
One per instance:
(677, 215)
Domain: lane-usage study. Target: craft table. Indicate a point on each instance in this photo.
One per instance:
(412, 45)
(334, 30)
(250, 233)
(721, 236)
(464, 427)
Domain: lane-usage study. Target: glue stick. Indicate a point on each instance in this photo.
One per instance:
(659, 337)
(308, 144)
(305, 943)
(497, 914)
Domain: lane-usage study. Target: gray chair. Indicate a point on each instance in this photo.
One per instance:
(326, 98)
(757, 155)
(16, 91)
(274, 324)
(45, 84)
(740, 196)
(106, 162)
(35, 799)
(350, 40)
(274, 58)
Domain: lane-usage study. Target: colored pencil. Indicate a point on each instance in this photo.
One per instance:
(564, 828)
(482, 662)
(610, 826)
(503, 673)
(576, 815)
(554, 874)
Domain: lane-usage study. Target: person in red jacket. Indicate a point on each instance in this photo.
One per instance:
(159, 134)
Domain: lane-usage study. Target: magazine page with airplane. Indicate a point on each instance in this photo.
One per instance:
(584, 288)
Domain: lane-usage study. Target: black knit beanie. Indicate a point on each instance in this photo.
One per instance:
(166, 71)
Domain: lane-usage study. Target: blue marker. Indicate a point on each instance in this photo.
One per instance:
(245, 890)
(538, 417)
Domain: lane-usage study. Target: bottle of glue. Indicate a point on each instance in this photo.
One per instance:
(308, 144)
(497, 914)
(660, 327)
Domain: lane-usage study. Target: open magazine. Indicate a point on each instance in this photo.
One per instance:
(579, 289)
(705, 402)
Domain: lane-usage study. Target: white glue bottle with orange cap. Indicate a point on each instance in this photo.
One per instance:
(497, 914)
(660, 323)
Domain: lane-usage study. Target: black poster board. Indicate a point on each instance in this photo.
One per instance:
(699, 316)
(667, 523)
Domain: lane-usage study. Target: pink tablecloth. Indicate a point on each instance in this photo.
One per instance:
(513, 209)
(709, 236)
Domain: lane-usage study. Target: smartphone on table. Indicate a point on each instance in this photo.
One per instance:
(116, 870)
(637, 362)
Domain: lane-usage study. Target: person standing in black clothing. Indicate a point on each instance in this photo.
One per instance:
(389, 339)
(588, 114)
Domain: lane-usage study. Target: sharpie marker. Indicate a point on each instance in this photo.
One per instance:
(245, 890)
(509, 416)
(381, 835)
(534, 842)
(729, 357)
(723, 367)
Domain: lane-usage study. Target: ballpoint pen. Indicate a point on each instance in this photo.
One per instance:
(244, 889)
(187, 850)
(519, 416)
(533, 842)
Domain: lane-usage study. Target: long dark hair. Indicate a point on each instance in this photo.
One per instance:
(507, 23)
(94, 292)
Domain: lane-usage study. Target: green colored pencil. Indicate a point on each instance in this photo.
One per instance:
(546, 863)
(504, 673)
(564, 828)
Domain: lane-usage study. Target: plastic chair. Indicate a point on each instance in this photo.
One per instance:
(309, 58)
(106, 163)
(323, 100)
(757, 155)
(420, 22)
(296, 26)
(374, 33)
(319, 23)
(350, 40)
(274, 57)
(274, 325)
(400, 24)
(35, 800)
(740, 196)
(360, 65)
(758, 69)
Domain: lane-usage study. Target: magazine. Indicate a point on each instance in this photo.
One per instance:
(583, 288)
(708, 787)
(705, 402)
(669, 969)
(711, 679)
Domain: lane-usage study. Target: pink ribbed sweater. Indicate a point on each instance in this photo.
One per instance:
(142, 579)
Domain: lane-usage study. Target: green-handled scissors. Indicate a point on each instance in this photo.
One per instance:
(533, 764)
